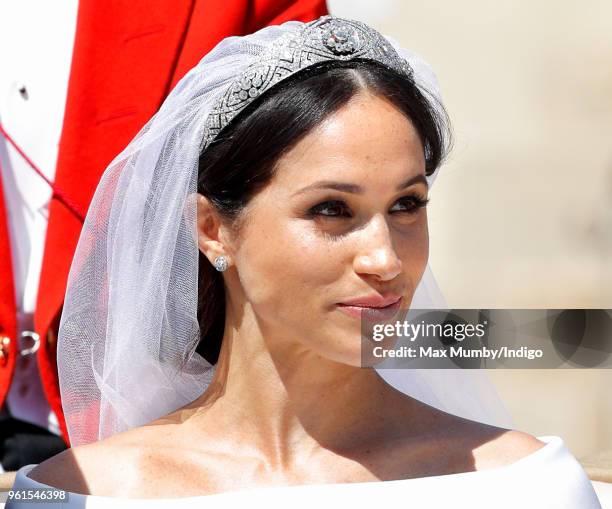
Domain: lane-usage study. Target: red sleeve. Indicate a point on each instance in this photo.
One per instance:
(8, 311)
(213, 20)
(274, 12)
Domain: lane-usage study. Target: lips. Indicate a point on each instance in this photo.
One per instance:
(372, 309)
(372, 301)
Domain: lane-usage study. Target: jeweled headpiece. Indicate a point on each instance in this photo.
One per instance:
(327, 39)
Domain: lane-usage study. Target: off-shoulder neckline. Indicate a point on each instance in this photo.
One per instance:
(553, 444)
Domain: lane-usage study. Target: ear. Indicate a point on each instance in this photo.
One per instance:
(212, 236)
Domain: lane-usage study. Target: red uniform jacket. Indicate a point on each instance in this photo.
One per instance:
(128, 54)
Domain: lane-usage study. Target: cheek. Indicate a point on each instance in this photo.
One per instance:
(412, 248)
(284, 265)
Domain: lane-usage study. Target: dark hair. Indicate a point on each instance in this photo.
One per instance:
(242, 159)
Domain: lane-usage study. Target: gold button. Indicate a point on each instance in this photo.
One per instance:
(5, 341)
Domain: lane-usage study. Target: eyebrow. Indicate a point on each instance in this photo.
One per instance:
(356, 189)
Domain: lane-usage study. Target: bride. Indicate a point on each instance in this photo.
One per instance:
(209, 344)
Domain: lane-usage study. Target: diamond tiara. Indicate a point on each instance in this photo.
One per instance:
(328, 38)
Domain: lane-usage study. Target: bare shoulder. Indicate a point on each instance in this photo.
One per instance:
(97, 468)
(491, 446)
(501, 447)
(449, 444)
(472, 445)
(75, 469)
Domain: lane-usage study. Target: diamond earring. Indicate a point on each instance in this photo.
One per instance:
(221, 263)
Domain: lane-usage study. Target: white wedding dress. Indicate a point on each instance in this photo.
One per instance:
(549, 478)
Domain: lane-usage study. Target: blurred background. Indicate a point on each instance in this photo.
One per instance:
(521, 214)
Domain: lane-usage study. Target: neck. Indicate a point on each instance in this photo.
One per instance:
(279, 399)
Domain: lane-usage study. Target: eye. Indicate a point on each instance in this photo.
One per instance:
(412, 203)
(331, 208)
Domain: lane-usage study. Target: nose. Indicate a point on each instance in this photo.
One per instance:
(377, 256)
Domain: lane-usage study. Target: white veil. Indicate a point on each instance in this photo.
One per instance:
(129, 328)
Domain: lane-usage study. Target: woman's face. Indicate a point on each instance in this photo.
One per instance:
(337, 222)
